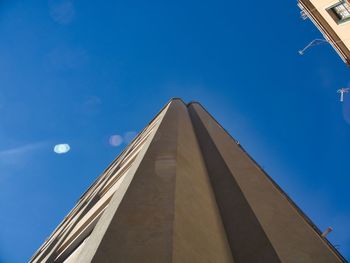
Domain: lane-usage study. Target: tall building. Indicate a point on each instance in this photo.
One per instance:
(185, 191)
(332, 18)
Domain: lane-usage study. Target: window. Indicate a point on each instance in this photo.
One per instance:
(340, 12)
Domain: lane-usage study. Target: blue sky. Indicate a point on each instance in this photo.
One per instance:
(78, 72)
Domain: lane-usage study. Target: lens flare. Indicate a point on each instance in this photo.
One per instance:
(346, 110)
(61, 148)
(129, 136)
(115, 140)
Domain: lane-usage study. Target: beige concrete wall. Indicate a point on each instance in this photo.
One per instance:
(342, 30)
(338, 35)
(168, 213)
(291, 236)
(199, 235)
(184, 191)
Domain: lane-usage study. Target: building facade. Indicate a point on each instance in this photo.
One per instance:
(332, 18)
(185, 191)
